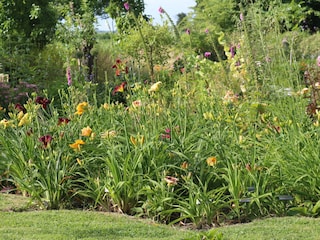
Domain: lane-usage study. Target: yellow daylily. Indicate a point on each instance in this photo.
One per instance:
(155, 87)
(24, 120)
(81, 108)
(6, 123)
(86, 132)
(108, 134)
(76, 145)
(211, 161)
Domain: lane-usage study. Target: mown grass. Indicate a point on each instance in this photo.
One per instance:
(72, 224)
(275, 228)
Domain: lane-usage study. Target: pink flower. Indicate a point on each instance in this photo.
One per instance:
(161, 10)
(241, 17)
(206, 31)
(207, 54)
(126, 6)
(188, 31)
(68, 75)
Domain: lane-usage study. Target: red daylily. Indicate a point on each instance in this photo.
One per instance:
(46, 139)
(119, 88)
(43, 101)
(63, 120)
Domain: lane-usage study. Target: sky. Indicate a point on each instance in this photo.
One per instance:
(172, 7)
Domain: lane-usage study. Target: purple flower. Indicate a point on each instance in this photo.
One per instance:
(188, 31)
(318, 61)
(206, 31)
(68, 74)
(207, 54)
(232, 51)
(161, 10)
(126, 6)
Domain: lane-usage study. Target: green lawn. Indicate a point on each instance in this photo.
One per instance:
(65, 224)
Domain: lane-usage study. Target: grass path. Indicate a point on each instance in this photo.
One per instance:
(71, 224)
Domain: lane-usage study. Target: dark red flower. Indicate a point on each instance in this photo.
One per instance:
(43, 101)
(19, 107)
(46, 139)
(63, 121)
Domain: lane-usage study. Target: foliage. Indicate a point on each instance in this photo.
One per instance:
(153, 48)
(116, 10)
(28, 20)
(199, 142)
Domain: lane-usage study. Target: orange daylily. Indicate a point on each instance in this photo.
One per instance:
(76, 145)
(81, 108)
(211, 161)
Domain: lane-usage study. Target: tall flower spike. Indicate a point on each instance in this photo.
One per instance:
(161, 10)
(126, 6)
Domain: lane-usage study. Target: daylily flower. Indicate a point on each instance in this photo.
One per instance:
(119, 88)
(230, 97)
(136, 103)
(86, 132)
(155, 87)
(211, 161)
(20, 115)
(6, 123)
(81, 108)
(46, 139)
(19, 107)
(43, 101)
(24, 120)
(76, 145)
(171, 180)
(106, 106)
(63, 121)
(108, 134)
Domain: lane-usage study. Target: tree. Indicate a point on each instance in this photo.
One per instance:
(117, 11)
(33, 20)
